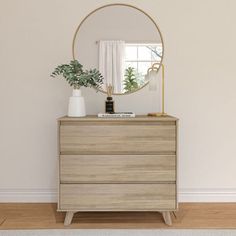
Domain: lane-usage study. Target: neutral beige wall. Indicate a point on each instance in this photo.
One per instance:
(200, 54)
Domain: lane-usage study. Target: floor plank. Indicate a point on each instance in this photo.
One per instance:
(45, 216)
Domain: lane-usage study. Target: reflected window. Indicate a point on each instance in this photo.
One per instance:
(138, 58)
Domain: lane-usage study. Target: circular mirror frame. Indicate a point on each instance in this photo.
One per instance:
(126, 5)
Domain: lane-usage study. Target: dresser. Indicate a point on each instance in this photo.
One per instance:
(122, 164)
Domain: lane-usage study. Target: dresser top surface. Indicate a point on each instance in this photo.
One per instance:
(137, 118)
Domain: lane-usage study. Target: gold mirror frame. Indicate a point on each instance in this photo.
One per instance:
(126, 5)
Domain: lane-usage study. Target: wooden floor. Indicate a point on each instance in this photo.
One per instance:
(45, 216)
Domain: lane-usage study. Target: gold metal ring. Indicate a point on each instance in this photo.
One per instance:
(127, 5)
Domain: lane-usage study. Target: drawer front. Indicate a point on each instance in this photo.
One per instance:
(117, 139)
(117, 168)
(117, 197)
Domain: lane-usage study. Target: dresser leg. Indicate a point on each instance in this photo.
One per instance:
(68, 218)
(167, 217)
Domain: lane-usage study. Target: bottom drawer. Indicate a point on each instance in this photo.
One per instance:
(117, 197)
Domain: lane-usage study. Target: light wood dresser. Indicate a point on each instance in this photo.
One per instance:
(122, 164)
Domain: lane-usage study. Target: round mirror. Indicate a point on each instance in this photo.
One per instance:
(122, 42)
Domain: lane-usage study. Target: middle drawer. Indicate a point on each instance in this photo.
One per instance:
(117, 168)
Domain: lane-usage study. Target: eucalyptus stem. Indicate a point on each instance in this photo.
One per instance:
(77, 77)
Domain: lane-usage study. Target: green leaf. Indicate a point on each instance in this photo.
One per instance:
(77, 77)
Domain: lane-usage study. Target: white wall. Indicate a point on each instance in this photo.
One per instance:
(200, 51)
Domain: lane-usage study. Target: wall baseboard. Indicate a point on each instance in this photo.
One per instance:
(28, 195)
(185, 195)
(207, 195)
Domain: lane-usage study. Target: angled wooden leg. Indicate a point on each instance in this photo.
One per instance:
(167, 217)
(68, 218)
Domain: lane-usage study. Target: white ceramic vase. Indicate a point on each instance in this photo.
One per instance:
(76, 104)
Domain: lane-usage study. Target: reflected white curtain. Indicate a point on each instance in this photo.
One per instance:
(112, 63)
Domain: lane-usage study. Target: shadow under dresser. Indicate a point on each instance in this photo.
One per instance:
(121, 164)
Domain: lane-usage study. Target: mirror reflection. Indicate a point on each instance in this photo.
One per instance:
(122, 42)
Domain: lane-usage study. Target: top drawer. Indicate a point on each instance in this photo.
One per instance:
(112, 138)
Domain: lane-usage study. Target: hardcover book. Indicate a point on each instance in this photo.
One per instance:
(116, 115)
